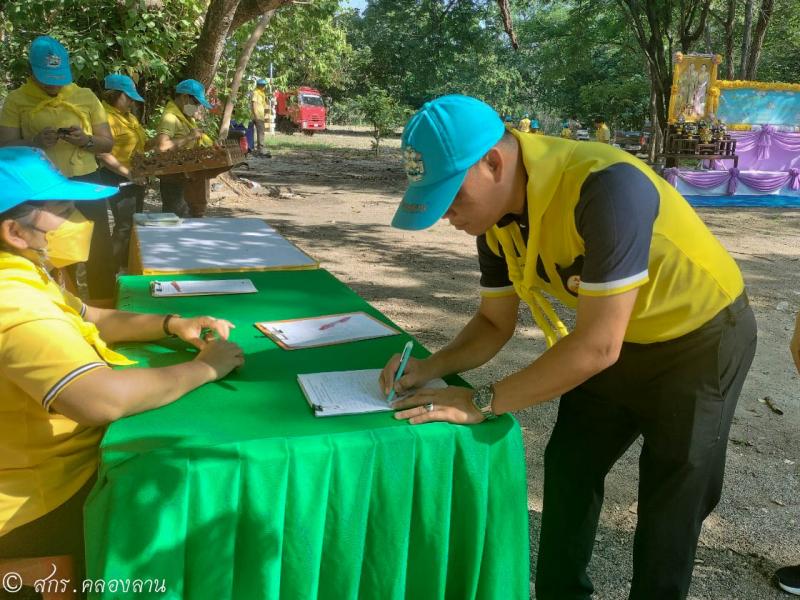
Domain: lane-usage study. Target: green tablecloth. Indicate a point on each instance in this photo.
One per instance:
(237, 491)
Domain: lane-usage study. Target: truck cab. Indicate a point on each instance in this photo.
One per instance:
(300, 109)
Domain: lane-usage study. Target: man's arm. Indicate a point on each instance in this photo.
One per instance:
(480, 340)
(593, 346)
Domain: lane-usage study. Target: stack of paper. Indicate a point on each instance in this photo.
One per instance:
(349, 392)
(157, 219)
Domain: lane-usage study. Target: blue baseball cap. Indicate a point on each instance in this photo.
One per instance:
(27, 174)
(193, 88)
(261, 82)
(49, 61)
(440, 143)
(122, 83)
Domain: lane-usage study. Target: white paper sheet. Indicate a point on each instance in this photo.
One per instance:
(348, 392)
(325, 331)
(208, 287)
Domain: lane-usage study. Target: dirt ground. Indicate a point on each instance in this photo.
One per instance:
(334, 197)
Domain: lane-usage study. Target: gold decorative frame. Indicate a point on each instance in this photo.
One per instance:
(694, 93)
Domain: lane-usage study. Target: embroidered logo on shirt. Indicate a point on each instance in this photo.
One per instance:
(415, 168)
(571, 275)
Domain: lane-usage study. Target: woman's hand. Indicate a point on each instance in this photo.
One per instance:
(76, 137)
(46, 138)
(197, 330)
(452, 404)
(222, 356)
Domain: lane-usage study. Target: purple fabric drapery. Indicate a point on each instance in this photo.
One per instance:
(765, 149)
(760, 181)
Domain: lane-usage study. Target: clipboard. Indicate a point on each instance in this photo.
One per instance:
(325, 330)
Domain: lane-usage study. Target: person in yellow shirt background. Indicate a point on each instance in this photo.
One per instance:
(566, 131)
(129, 139)
(524, 124)
(68, 122)
(57, 391)
(177, 130)
(602, 132)
(259, 104)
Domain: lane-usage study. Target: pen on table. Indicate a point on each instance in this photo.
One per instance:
(403, 362)
(331, 324)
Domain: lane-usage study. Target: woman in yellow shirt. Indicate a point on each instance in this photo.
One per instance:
(57, 391)
(129, 139)
(177, 130)
(70, 125)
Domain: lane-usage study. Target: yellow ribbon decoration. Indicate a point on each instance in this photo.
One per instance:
(57, 101)
(131, 122)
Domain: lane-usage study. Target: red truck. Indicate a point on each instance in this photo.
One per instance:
(300, 109)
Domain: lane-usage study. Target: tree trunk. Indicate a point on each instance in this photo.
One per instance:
(253, 9)
(238, 74)
(746, 37)
(764, 16)
(730, 19)
(219, 17)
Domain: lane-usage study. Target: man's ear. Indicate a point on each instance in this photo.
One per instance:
(495, 163)
(12, 236)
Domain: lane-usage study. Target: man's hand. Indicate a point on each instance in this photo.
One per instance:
(416, 374)
(794, 346)
(452, 404)
(46, 138)
(192, 330)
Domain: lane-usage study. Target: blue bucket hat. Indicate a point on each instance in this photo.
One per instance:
(193, 88)
(122, 83)
(27, 174)
(49, 61)
(261, 82)
(440, 143)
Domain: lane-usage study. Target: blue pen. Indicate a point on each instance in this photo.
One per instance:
(403, 362)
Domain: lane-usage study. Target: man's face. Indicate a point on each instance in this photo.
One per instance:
(483, 198)
(50, 90)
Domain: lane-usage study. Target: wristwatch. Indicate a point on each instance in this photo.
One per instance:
(482, 398)
(88, 145)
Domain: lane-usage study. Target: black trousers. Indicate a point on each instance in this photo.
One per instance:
(679, 396)
(59, 532)
(101, 269)
(124, 205)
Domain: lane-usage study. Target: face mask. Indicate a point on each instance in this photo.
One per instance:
(69, 243)
(190, 110)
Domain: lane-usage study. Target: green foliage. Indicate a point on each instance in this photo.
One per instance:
(382, 112)
(145, 40)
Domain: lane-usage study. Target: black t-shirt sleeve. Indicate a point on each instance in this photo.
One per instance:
(615, 216)
(494, 270)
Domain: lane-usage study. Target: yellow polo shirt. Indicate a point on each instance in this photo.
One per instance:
(259, 104)
(603, 134)
(45, 345)
(600, 222)
(31, 110)
(129, 135)
(177, 125)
